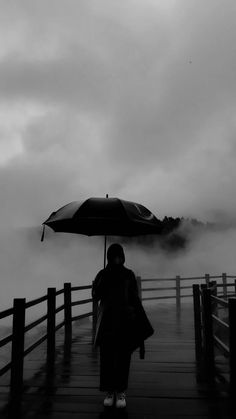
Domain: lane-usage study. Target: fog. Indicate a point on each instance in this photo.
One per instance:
(29, 266)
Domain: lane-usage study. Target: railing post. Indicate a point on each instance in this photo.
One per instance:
(203, 287)
(139, 283)
(197, 322)
(224, 280)
(213, 285)
(232, 345)
(67, 309)
(208, 334)
(207, 279)
(17, 353)
(51, 324)
(178, 295)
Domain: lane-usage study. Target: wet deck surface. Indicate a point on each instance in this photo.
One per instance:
(163, 385)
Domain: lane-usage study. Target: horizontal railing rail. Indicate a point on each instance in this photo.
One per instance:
(35, 344)
(35, 323)
(221, 322)
(190, 278)
(6, 313)
(35, 302)
(83, 287)
(77, 303)
(5, 340)
(166, 292)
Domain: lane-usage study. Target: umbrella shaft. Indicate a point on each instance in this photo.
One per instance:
(105, 250)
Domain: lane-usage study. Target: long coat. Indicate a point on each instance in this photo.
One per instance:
(121, 317)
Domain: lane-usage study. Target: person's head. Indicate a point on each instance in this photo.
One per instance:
(115, 254)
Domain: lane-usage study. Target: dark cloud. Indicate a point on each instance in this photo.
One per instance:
(145, 92)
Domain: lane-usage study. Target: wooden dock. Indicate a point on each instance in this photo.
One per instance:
(164, 385)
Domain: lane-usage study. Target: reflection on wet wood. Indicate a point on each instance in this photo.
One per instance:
(164, 385)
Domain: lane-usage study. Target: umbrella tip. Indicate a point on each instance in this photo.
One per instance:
(42, 237)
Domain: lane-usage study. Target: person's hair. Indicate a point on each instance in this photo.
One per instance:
(114, 250)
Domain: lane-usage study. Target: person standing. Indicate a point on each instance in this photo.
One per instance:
(122, 325)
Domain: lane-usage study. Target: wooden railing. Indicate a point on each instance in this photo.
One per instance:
(207, 306)
(19, 328)
(20, 306)
(178, 291)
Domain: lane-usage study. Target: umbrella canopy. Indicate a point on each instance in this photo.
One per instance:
(104, 216)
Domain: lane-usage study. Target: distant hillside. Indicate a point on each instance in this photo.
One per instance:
(175, 233)
(169, 224)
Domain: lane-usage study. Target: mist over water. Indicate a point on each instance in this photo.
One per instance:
(28, 266)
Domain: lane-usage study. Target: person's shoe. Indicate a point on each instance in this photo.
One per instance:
(109, 399)
(120, 400)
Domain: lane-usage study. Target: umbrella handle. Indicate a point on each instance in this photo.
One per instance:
(105, 250)
(43, 233)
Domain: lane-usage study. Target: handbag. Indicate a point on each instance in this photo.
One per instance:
(140, 330)
(139, 325)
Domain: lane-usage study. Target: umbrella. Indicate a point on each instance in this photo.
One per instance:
(104, 216)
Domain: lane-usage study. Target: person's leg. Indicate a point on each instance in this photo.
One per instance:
(107, 368)
(122, 366)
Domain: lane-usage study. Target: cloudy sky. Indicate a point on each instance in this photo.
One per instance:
(135, 98)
